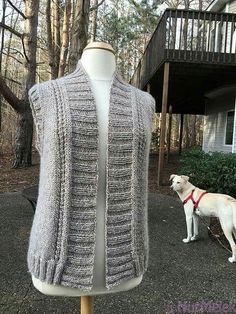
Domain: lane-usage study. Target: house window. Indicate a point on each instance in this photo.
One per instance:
(229, 128)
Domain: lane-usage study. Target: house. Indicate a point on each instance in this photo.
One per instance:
(189, 67)
(219, 120)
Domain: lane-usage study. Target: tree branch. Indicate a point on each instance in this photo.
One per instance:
(96, 6)
(135, 4)
(13, 81)
(140, 10)
(14, 51)
(11, 30)
(10, 97)
(14, 7)
(24, 51)
(13, 57)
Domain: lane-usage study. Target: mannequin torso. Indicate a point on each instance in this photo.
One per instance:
(100, 65)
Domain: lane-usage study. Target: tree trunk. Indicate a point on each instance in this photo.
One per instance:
(24, 136)
(23, 151)
(2, 33)
(94, 22)
(187, 131)
(193, 131)
(79, 32)
(57, 34)
(65, 38)
(23, 143)
(50, 46)
(30, 44)
(176, 130)
(185, 26)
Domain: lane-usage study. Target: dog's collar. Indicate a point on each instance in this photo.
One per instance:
(190, 197)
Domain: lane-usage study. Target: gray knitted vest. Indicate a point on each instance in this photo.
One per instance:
(62, 239)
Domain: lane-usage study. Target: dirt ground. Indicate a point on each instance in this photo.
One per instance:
(15, 180)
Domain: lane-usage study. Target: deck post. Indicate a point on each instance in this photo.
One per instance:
(181, 133)
(163, 122)
(169, 133)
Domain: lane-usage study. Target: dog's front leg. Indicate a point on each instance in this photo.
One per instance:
(195, 227)
(189, 220)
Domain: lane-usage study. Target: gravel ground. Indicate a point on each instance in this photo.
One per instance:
(178, 274)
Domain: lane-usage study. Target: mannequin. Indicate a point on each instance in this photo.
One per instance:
(98, 60)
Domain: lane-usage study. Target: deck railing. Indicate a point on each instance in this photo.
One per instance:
(200, 36)
(191, 36)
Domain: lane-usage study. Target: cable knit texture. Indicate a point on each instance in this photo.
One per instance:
(63, 235)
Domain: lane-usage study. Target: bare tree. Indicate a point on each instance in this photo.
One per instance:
(2, 32)
(94, 22)
(24, 133)
(50, 40)
(65, 38)
(79, 32)
(56, 32)
(53, 35)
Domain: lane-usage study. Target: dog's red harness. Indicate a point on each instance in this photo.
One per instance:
(195, 203)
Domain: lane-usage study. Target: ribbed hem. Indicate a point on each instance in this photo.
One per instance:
(47, 271)
(51, 272)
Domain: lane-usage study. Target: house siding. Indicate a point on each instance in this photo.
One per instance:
(215, 123)
(232, 7)
(217, 107)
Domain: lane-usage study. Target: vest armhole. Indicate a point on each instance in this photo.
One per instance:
(153, 104)
(36, 107)
(152, 107)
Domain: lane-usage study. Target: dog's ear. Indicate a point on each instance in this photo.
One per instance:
(172, 176)
(186, 178)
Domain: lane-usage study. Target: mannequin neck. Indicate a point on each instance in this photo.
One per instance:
(99, 64)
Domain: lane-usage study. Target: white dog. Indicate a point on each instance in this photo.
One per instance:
(198, 202)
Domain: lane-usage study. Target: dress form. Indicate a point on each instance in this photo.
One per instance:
(99, 65)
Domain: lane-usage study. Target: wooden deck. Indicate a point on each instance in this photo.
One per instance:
(200, 48)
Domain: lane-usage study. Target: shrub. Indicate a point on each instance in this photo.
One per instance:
(214, 172)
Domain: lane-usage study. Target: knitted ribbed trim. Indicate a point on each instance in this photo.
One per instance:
(126, 254)
(85, 143)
